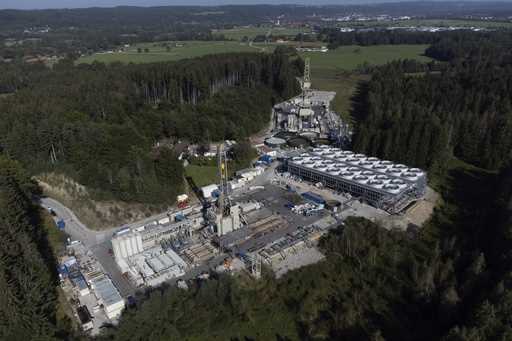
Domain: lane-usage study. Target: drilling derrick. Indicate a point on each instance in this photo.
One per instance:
(228, 215)
(306, 83)
(223, 203)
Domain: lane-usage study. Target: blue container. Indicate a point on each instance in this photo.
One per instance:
(61, 224)
(315, 198)
(63, 271)
(266, 159)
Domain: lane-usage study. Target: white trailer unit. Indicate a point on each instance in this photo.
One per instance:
(207, 191)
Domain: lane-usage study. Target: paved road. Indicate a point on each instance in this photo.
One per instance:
(107, 261)
(99, 243)
(74, 227)
(78, 231)
(96, 241)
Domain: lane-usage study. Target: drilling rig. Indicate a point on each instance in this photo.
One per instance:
(228, 215)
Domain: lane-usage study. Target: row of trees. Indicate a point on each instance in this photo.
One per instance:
(445, 41)
(335, 38)
(28, 303)
(102, 124)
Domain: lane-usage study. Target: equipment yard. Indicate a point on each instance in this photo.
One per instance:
(270, 215)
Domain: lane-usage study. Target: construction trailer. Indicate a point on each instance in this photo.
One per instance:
(381, 183)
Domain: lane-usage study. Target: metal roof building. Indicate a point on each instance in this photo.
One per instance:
(381, 183)
(107, 294)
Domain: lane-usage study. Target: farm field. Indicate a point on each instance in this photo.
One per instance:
(349, 57)
(238, 33)
(158, 52)
(343, 58)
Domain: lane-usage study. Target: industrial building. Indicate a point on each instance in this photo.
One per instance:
(108, 296)
(381, 183)
(309, 116)
(140, 252)
(154, 266)
(130, 242)
(305, 112)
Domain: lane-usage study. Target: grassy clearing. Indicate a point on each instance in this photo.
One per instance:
(345, 84)
(202, 175)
